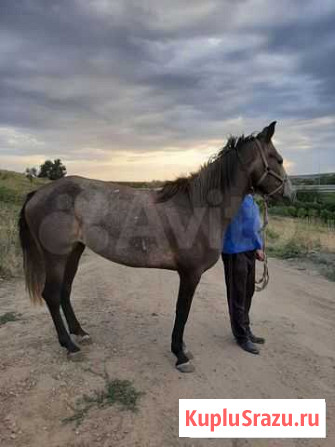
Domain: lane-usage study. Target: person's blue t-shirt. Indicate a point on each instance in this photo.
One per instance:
(244, 231)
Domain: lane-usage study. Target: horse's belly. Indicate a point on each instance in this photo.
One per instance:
(135, 251)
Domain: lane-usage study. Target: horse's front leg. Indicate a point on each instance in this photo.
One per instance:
(188, 284)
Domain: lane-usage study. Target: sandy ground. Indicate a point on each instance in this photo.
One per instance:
(129, 313)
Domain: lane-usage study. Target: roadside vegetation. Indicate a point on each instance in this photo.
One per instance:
(307, 241)
(121, 393)
(311, 204)
(13, 189)
(305, 230)
(8, 317)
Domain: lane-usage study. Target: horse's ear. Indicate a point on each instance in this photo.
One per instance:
(268, 132)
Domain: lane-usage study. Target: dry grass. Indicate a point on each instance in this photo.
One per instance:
(10, 254)
(309, 235)
(13, 188)
(310, 242)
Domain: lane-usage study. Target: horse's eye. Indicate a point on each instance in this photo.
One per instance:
(278, 158)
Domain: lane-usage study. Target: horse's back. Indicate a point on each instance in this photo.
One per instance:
(115, 221)
(118, 222)
(64, 193)
(57, 212)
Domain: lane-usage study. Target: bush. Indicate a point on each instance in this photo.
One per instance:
(291, 249)
(292, 211)
(302, 212)
(279, 211)
(308, 196)
(312, 212)
(330, 207)
(325, 215)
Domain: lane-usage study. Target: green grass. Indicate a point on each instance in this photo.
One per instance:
(8, 317)
(14, 186)
(116, 392)
(329, 272)
(13, 189)
(272, 235)
(288, 250)
(10, 252)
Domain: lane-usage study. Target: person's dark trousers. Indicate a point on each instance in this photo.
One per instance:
(240, 282)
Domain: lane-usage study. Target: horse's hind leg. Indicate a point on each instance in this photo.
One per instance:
(70, 272)
(55, 268)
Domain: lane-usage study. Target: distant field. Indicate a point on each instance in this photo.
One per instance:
(13, 189)
(14, 186)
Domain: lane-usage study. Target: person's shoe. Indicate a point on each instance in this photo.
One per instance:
(254, 339)
(248, 346)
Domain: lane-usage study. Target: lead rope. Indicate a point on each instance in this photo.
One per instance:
(260, 284)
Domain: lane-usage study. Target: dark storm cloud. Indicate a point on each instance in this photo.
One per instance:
(150, 75)
(313, 42)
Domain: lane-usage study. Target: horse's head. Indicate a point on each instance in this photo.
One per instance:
(267, 173)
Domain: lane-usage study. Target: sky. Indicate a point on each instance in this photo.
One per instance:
(150, 89)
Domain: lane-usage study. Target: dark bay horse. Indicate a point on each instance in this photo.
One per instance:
(178, 228)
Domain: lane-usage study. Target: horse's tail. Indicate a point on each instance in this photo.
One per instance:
(32, 257)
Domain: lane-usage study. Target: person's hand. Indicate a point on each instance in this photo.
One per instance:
(260, 255)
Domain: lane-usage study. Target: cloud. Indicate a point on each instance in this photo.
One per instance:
(99, 81)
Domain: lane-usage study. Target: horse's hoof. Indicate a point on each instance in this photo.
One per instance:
(77, 356)
(185, 367)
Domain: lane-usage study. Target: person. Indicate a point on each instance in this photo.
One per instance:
(242, 245)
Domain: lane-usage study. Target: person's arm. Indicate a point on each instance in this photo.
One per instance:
(260, 255)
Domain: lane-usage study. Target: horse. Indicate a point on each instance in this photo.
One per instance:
(179, 227)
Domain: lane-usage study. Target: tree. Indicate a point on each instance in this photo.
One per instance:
(45, 169)
(31, 173)
(52, 170)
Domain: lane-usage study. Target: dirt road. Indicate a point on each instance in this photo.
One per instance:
(129, 313)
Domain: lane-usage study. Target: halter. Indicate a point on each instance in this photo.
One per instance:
(260, 284)
(269, 171)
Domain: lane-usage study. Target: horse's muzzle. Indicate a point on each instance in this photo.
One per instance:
(289, 192)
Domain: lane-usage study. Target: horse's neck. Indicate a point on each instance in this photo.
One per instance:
(233, 196)
(218, 193)
(220, 216)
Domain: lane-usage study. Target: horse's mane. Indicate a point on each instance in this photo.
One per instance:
(216, 174)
